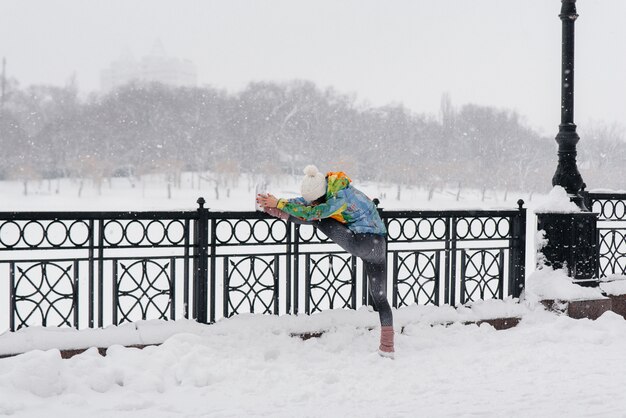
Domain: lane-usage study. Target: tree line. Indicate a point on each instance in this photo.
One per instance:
(270, 129)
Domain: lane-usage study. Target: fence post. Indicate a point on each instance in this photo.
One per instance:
(437, 278)
(172, 288)
(517, 263)
(101, 273)
(12, 296)
(353, 280)
(201, 272)
(186, 270)
(463, 273)
(451, 243)
(296, 268)
(446, 268)
(307, 286)
(115, 293)
(226, 291)
(501, 275)
(394, 286)
(288, 296)
(75, 294)
(277, 285)
(90, 292)
(212, 277)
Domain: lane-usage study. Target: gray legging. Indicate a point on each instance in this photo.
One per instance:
(372, 249)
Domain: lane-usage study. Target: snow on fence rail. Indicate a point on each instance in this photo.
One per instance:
(88, 269)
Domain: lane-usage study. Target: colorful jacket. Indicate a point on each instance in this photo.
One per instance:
(344, 203)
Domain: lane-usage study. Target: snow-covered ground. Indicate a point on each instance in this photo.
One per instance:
(549, 365)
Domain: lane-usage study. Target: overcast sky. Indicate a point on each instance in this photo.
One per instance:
(495, 52)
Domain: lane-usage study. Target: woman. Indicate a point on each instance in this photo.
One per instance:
(349, 218)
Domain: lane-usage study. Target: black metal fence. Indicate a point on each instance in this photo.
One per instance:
(611, 237)
(88, 269)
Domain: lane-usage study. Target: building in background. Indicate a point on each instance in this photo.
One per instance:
(154, 67)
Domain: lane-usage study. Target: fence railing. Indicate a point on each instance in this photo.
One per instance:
(611, 238)
(88, 269)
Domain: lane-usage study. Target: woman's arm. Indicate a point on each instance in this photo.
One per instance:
(297, 208)
(324, 210)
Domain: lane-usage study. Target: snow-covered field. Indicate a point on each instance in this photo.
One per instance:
(549, 365)
(150, 192)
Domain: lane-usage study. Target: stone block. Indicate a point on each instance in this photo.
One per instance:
(618, 304)
(591, 309)
(579, 309)
(501, 323)
(553, 305)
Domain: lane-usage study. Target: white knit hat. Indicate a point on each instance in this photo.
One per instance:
(313, 185)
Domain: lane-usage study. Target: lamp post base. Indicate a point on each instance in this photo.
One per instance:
(572, 243)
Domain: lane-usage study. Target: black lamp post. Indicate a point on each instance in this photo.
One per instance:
(571, 237)
(567, 174)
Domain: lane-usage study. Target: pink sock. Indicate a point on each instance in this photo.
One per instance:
(386, 339)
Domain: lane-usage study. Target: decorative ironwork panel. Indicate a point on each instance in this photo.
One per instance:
(609, 207)
(611, 238)
(44, 293)
(143, 232)
(250, 231)
(38, 234)
(482, 274)
(476, 228)
(96, 238)
(417, 229)
(250, 283)
(612, 251)
(330, 282)
(416, 277)
(449, 233)
(143, 290)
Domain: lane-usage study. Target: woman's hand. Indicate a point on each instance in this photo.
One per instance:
(267, 200)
